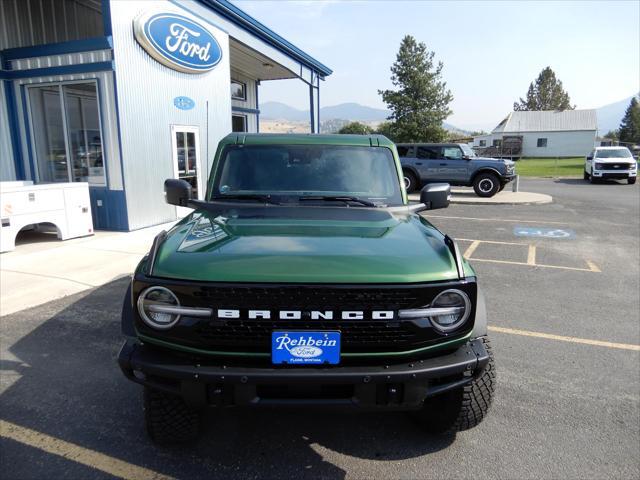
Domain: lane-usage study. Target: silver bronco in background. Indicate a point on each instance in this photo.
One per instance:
(453, 163)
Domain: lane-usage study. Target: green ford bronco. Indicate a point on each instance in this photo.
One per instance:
(305, 277)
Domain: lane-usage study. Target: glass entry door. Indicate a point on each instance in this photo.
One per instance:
(185, 142)
(65, 123)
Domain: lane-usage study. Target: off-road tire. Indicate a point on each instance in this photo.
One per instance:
(410, 181)
(631, 180)
(486, 185)
(585, 175)
(168, 418)
(462, 408)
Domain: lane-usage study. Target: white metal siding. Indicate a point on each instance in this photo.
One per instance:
(146, 110)
(61, 60)
(7, 167)
(559, 144)
(250, 102)
(36, 22)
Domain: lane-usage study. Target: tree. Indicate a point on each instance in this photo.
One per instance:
(612, 135)
(386, 129)
(545, 93)
(421, 100)
(357, 128)
(630, 126)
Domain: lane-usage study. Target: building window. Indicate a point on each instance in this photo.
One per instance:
(542, 143)
(238, 123)
(483, 143)
(497, 143)
(65, 121)
(238, 90)
(185, 144)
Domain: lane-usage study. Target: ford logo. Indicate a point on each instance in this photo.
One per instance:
(306, 352)
(177, 42)
(184, 103)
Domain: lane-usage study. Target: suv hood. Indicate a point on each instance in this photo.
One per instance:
(496, 160)
(305, 244)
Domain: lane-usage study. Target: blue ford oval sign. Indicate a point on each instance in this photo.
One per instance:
(184, 103)
(177, 42)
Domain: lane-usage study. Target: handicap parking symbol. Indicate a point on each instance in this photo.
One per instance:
(558, 233)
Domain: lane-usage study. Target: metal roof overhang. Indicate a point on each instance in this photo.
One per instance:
(251, 25)
(254, 64)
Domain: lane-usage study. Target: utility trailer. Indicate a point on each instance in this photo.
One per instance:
(24, 205)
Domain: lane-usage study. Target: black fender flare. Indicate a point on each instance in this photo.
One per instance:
(412, 170)
(126, 321)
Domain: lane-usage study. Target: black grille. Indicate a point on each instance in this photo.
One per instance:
(254, 335)
(355, 334)
(616, 166)
(307, 297)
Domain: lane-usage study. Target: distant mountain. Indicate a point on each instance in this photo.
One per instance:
(610, 116)
(344, 111)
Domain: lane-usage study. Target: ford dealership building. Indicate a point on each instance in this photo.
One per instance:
(124, 94)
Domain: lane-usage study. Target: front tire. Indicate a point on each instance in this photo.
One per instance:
(168, 418)
(410, 181)
(631, 180)
(585, 175)
(486, 185)
(462, 408)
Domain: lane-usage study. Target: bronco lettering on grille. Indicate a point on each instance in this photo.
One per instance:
(313, 314)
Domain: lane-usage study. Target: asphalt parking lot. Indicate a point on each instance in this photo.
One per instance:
(562, 287)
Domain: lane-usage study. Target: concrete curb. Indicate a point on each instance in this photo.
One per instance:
(468, 197)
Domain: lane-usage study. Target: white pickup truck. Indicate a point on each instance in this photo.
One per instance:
(610, 163)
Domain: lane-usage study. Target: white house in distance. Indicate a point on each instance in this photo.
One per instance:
(569, 133)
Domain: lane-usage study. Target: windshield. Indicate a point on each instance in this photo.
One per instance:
(309, 170)
(614, 153)
(467, 151)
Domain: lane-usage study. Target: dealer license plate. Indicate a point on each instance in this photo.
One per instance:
(305, 348)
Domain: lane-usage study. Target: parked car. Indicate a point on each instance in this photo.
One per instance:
(610, 162)
(304, 278)
(454, 163)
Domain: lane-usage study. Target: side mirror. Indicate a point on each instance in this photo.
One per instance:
(466, 157)
(589, 158)
(177, 192)
(436, 195)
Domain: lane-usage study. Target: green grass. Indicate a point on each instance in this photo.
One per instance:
(550, 167)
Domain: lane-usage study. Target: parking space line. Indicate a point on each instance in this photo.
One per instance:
(472, 248)
(494, 242)
(531, 255)
(539, 222)
(593, 267)
(562, 338)
(76, 453)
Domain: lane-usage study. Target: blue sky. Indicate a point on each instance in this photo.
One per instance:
(491, 50)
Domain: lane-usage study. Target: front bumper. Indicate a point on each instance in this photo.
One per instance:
(508, 177)
(396, 386)
(615, 174)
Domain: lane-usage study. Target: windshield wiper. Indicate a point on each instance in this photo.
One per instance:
(258, 198)
(337, 198)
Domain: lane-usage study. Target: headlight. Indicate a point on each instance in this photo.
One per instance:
(158, 307)
(599, 166)
(448, 311)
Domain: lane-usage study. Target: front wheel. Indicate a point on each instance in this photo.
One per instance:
(486, 185)
(168, 418)
(462, 408)
(631, 180)
(410, 181)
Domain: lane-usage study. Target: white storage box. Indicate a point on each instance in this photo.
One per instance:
(65, 205)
